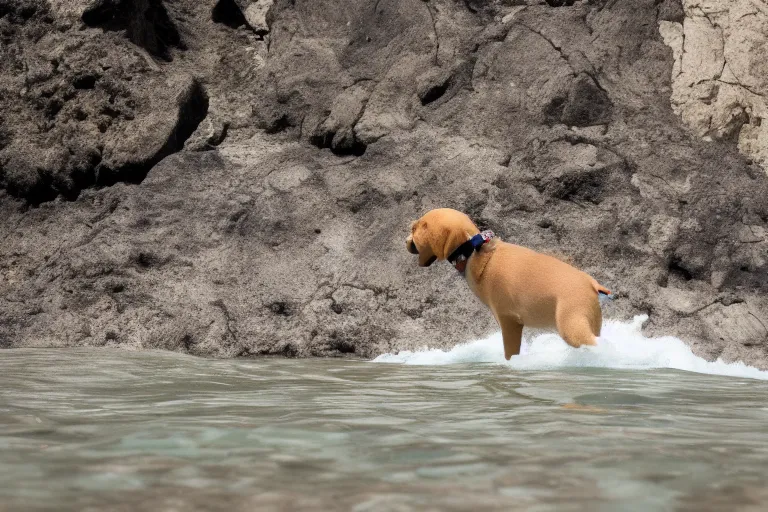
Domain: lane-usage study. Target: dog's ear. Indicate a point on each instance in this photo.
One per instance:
(426, 258)
(435, 238)
(452, 238)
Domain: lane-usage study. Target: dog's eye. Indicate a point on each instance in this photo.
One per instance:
(414, 250)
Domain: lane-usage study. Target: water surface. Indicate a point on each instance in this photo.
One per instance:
(97, 429)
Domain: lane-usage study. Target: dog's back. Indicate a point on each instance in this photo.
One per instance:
(531, 286)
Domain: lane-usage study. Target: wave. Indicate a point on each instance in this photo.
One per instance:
(621, 346)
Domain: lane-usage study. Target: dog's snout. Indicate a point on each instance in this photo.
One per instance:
(411, 246)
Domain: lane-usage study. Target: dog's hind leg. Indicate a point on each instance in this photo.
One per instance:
(577, 325)
(512, 332)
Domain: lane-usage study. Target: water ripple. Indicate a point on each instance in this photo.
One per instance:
(94, 429)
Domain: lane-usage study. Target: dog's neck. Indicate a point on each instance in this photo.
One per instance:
(459, 257)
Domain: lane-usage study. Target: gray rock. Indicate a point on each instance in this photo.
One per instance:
(229, 193)
(92, 108)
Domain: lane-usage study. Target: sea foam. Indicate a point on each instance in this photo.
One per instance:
(621, 345)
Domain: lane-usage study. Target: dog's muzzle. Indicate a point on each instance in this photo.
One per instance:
(411, 246)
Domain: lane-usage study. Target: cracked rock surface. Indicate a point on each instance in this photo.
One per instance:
(720, 74)
(174, 175)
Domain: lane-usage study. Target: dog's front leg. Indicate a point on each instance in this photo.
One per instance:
(512, 332)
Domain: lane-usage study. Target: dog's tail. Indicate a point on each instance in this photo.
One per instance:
(600, 289)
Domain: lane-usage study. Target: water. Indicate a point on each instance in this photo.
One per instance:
(97, 429)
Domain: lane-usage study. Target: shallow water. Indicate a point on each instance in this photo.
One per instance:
(96, 429)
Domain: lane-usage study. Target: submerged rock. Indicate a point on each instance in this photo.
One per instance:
(235, 193)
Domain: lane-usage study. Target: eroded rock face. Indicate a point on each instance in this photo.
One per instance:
(252, 193)
(88, 107)
(719, 76)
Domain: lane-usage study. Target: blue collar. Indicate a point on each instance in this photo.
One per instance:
(459, 257)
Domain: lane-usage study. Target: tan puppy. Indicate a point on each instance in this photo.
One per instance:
(520, 286)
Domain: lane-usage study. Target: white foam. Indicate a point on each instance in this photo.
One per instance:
(621, 345)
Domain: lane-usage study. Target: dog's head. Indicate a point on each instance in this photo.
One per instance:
(438, 233)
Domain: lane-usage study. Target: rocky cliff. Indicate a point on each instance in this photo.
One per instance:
(236, 177)
(720, 74)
